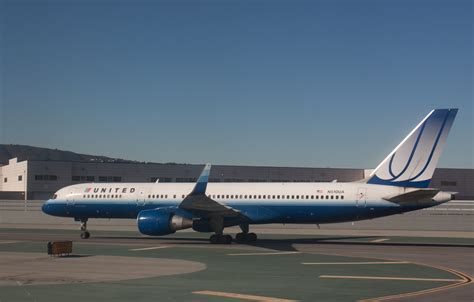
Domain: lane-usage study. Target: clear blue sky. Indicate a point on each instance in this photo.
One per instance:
(293, 83)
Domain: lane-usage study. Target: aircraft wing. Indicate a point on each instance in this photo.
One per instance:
(413, 197)
(198, 203)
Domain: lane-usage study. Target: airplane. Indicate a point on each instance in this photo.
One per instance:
(400, 183)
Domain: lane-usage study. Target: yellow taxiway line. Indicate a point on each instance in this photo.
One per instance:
(390, 278)
(465, 279)
(241, 296)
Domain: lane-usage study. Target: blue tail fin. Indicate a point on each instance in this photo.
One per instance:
(413, 161)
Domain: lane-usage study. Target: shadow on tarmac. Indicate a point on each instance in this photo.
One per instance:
(287, 244)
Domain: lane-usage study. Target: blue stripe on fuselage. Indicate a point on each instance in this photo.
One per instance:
(257, 212)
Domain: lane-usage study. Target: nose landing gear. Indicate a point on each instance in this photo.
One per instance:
(84, 233)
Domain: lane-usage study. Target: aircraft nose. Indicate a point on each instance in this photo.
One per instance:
(46, 207)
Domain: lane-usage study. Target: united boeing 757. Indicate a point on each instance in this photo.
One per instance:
(400, 183)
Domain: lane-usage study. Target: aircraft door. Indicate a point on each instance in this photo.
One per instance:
(70, 198)
(361, 198)
(141, 198)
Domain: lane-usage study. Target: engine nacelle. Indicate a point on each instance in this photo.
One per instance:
(161, 222)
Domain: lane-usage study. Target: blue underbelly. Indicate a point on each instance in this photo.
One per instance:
(257, 213)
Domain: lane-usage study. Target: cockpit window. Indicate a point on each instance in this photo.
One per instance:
(55, 196)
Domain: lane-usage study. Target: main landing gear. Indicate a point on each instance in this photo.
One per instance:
(245, 236)
(217, 225)
(84, 233)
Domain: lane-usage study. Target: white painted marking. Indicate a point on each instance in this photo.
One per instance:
(8, 242)
(264, 254)
(241, 296)
(390, 278)
(151, 248)
(354, 263)
(379, 240)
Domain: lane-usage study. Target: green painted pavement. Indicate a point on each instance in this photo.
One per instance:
(281, 276)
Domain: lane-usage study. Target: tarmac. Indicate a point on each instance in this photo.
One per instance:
(120, 266)
(425, 255)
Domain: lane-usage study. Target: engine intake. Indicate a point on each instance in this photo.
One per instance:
(161, 222)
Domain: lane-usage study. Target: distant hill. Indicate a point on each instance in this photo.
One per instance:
(23, 152)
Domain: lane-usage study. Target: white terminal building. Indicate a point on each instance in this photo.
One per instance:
(32, 179)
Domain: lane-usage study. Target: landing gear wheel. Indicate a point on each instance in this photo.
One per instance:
(239, 237)
(214, 239)
(245, 237)
(251, 237)
(227, 239)
(85, 235)
(220, 239)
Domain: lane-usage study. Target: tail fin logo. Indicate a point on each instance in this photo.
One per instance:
(413, 161)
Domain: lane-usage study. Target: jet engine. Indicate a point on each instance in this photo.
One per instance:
(161, 222)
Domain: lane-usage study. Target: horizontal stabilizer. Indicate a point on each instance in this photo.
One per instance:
(414, 197)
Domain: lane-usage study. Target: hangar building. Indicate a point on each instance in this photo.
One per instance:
(31, 179)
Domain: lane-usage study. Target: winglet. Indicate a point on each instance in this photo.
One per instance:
(201, 184)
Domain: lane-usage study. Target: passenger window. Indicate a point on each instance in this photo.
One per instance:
(327, 196)
(264, 196)
(342, 196)
(312, 196)
(287, 196)
(174, 196)
(337, 196)
(307, 196)
(292, 196)
(297, 197)
(332, 196)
